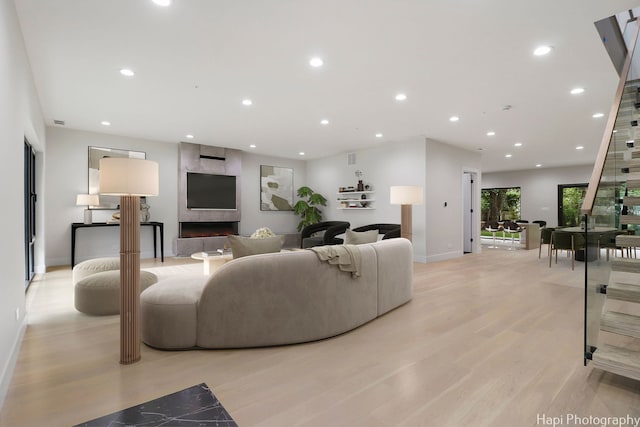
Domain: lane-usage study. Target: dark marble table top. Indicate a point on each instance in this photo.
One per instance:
(194, 406)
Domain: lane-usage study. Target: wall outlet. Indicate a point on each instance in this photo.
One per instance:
(17, 313)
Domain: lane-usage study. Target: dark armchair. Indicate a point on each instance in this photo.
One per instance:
(331, 230)
(388, 231)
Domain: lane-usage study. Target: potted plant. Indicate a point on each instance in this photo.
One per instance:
(306, 207)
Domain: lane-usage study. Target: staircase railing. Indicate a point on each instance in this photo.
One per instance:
(612, 199)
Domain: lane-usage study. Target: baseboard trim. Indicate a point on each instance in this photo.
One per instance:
(10, 365)
(444, 256)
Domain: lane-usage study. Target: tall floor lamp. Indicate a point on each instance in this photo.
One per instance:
(406, 196)
(129, 179)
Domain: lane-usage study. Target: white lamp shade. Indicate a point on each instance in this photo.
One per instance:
(405, 195)
(121, 176)
(87, 200)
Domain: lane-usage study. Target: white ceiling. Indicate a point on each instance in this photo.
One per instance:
(197, 59)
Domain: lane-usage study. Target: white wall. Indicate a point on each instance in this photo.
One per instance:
(437, 167)
(384, 166)
(20, 116)
(539, 188)
(67, 175)
(252, 217)
(445, 166)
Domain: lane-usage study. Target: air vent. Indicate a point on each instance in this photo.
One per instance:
(351, 159)
(58, 122)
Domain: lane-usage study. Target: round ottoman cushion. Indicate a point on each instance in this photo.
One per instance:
(99, 293)
(93, 266)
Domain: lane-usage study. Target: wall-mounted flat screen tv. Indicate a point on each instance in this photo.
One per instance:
(208, 191)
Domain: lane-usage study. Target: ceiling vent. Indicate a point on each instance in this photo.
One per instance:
(58, 122)
(351, 159)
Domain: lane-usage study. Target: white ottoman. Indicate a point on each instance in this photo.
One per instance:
(93, 266)
(99, 293)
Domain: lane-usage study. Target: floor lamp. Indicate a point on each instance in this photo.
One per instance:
(129, 179)
(406, 196)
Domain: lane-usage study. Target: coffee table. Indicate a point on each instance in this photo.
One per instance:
(212, 260)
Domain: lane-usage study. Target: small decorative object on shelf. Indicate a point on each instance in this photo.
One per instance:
(349, 198)
(360, 184)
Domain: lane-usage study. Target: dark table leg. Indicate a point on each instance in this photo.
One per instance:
(73, 246)
(161, 242)
(153, 227)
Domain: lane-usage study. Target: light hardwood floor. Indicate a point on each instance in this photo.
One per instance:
(490, 339)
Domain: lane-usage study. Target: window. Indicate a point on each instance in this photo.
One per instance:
(499, 204)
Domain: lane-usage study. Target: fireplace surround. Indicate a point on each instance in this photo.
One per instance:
(206, 229)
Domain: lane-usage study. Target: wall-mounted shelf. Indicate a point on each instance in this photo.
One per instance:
(354, 200)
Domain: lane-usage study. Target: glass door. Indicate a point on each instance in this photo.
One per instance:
(570, 198)
(29, 211)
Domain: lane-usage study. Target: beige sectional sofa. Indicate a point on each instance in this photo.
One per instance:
(278, 298)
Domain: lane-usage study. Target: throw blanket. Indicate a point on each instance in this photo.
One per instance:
(345, 257)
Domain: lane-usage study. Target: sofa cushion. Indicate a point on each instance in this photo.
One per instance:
(168, 311)
(245, 246)
(360, 237)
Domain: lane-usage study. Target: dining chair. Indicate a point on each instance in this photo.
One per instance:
(564, 240)
(545, 239)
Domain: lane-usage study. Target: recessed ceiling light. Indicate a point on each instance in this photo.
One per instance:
(127, 72)
(162, 2)
(491, 133)
(316, 62)
(538, 165)
(615, 131)
(401, 97)
(518, 144)
(105, 123)
(598, 115)
(247, 102)
(454, 118)
(252, 146)
(542, 50)
(324, 122)
(579, 147)
(189, 136)
(301, 153)
(507, 155)
(577, 91)
(379, 135)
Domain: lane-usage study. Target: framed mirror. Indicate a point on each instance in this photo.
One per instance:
(97, 153)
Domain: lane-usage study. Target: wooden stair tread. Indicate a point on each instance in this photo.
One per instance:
(629, 219)
(620, 323)
(617, 360)
(627, 240)
(629, 265)
(624, 292)
(631, 201)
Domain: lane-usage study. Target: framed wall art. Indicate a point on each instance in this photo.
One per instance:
(276, 188)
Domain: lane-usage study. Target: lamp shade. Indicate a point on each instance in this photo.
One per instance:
(87, 200)
(122, 176)
(405, 195)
